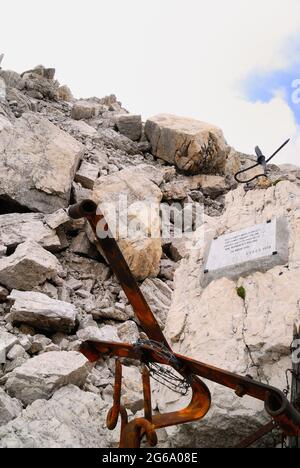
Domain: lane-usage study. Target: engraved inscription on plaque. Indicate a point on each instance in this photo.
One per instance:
(257, 248)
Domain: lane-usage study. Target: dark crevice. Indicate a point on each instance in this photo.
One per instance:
(8, 206)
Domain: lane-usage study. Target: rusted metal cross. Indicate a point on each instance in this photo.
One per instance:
(157, 351)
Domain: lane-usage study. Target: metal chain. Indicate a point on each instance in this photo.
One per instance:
(160, 373)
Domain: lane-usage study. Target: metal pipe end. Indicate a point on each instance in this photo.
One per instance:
(83, 209)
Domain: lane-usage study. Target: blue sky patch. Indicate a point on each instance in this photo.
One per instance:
(263, 87)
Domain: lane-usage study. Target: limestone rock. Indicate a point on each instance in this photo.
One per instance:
(64, 94)
(57, 219)
(128, 332)
(216, 326)
(39, 377)
(106, 333)
(10, 408)
(37, 162)
(83, 110)
(41, 312)
(159, 296)
(72, 418)
(87, 175)
(28, 266)
(7, 341)
(194, 147)
(132, 395)
(17, 228)
(138, 233)
(3, 294)
(130, 126)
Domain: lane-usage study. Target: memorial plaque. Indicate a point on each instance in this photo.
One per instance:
(240, 253)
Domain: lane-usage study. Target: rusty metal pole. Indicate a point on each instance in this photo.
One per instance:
(294, 441)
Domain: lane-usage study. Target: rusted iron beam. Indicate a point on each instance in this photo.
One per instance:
(88, 210)
(257, 435)
(276, 404)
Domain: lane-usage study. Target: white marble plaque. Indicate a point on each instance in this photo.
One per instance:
(256, 248)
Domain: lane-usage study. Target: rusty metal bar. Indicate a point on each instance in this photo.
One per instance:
(257, 435)
(88, 209)
(147, 394)
(276, 404)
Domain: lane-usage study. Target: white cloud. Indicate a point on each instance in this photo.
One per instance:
(180, 56)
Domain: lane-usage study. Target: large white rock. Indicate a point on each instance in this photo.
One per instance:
(131, 200)
(72, 418)
(41, 376)
(41, 312)
(17, 228)
(28, 266)
(216, 326)
(10, 408)
(194, 147)
(37, 163)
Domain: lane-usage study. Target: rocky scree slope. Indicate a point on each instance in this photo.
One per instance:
(56, 289)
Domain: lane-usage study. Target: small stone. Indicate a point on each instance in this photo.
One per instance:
(87, 175)
(83, 110)
(74, 284)
(56, 219)
(128, 332)
(7, 341)
(10, 408)
(3, 294)
(28, 266)
(130, 126)
(16, 351)
(38, 344)
(3, 250)
(106, 333)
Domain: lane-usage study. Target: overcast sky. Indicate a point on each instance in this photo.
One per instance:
(228, 62)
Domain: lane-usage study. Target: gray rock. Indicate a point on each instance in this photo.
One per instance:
(56, 219)
(92, 333)
(128, 332)
(132, 395)
(7, 341)
(17, 351)
(167, 269)
(10, 408)
(130, 126)
(83, 110)
(39, 377)
(82, 246)
(72, 418)
(87, 175)
(17, 228)
(38, 162)
(41, 312)
(159, 296)
(28, 266)
(80, 193)
(12, 79)
(3, 294)
(39, 343)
